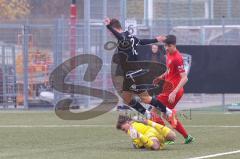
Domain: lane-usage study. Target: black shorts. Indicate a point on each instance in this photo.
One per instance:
(128, 86)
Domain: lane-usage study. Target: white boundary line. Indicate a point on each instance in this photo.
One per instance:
(213, 126)
(216, 155)
(95, 125)
(53, 126)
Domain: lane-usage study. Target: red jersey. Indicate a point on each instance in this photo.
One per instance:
(175, 66)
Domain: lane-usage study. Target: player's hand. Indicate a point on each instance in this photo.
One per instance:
(157, 80)
(161, 38)
(171, 97)
(107, 21)
(133, 133)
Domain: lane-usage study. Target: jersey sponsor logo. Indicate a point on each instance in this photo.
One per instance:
(181, 68)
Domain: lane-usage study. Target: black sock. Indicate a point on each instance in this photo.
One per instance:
(154, 102)
(137, 106)
(150, 108)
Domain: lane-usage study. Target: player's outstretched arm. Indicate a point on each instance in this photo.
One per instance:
(159, 38)
(107, 22)
(147, 41)
(157, 126)
(140, 120)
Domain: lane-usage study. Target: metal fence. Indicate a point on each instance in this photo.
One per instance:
(30, 50)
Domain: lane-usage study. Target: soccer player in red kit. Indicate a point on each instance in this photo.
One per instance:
(177, 75)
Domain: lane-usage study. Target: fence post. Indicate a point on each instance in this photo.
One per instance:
(223, 30)
(104, 39)
(190, 12)
(223, 102)
(123, 11)
(168, 16)
(87, 38)
(3, 77)
(58, 49)
(26, 31)
(229, 9)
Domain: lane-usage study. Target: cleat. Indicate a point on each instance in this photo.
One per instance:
(189, 139)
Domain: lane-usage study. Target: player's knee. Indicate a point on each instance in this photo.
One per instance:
(129, 101)
(127, 98)
(132, 102)
(156, 146)
(171, 136)
(146, 99)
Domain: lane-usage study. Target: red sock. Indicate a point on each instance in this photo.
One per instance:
(157, 119)
(181, 129)
(160, 121)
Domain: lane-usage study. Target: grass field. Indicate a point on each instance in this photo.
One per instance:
(42, 135)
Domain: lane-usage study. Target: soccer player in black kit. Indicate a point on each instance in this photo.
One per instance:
(127, 43)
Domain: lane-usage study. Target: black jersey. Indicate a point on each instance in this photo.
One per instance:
(127, 43)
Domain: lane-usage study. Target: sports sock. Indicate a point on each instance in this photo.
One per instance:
(154, 102)
(137, 106)
(181, 129)
(168, 111)
(155, 117)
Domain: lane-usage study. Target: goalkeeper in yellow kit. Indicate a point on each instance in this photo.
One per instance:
(145, 133)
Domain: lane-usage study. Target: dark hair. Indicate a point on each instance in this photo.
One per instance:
(122, 119)
(170, 39)
(115, 23)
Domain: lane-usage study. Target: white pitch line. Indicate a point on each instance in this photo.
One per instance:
(214, 126)
(216, 155)
(52, 126)
(95, 125)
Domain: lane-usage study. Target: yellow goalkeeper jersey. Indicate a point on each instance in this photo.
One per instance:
(150, 132)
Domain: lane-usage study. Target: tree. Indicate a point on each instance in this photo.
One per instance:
(13, 9)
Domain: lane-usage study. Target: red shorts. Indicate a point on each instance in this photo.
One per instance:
(163, 98)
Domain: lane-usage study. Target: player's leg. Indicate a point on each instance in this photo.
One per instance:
(166, 135)
(178, 126)
(146, 142)
(162, 129)
(156, 143)
(155, 116)
(149, 142)
(129, 99)
(171, 136)
(146, 98)
(163, 98)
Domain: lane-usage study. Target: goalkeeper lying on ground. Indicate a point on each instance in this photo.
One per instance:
(146, 133)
